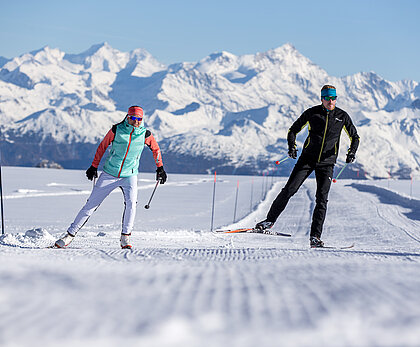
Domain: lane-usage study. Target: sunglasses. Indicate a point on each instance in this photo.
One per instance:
(136, 118)
(329, 98)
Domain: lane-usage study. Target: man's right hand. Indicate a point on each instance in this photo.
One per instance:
(91, 173)
(292, 152)
(351, 157)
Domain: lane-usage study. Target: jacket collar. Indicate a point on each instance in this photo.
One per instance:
(328, 112)
(129, 127)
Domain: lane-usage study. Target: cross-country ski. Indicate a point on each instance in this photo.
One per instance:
(334, 247)
(254, 231)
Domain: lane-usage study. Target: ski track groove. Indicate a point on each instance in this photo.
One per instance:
(209, 255)
(248, 293)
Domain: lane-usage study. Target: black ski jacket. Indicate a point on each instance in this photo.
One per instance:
(322, 144)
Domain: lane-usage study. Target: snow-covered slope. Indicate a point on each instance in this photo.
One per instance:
(182, 285)
(225, 112)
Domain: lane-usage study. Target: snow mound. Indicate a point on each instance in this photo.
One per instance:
(33, 238)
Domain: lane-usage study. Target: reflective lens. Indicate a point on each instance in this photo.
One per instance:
(136, 118)
(329, 98)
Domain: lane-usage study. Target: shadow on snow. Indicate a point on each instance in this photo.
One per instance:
(388, 197)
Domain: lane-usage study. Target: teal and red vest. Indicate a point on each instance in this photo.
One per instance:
(128, 144)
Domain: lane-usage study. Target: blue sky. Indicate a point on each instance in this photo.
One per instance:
(343, 37)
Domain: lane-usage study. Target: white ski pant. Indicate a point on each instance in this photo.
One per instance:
(103, 187)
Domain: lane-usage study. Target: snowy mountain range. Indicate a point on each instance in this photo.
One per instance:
(227, 113)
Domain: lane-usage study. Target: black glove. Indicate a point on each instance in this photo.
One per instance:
(292, 152)
(161, 175)
(350, 157)
(91, 173)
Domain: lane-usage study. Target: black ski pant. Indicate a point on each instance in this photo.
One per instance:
(301, 171)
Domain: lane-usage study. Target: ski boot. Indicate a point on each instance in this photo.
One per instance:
(125, 241)
(263, 226)
(64, 241)
(316, 242)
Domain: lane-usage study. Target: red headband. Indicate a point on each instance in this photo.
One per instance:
(135, 111)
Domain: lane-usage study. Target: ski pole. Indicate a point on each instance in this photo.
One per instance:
(335, 179)
(153, 193)
(278, 162)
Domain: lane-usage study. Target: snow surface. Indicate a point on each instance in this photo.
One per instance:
(183, 285)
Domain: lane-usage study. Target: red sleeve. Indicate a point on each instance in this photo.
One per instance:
(109, 137)
(153, 145)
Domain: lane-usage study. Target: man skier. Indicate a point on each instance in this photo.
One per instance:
(319, 154)
(120, 170)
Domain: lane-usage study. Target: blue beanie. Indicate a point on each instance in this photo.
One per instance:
(328, 92)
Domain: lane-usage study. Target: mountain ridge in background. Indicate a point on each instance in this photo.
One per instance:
(225, 112)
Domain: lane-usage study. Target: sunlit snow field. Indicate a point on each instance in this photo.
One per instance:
(182, 285)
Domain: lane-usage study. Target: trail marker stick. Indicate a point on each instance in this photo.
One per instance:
(252, 193)
(236, 202)
(1, 198)
(212, 209)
